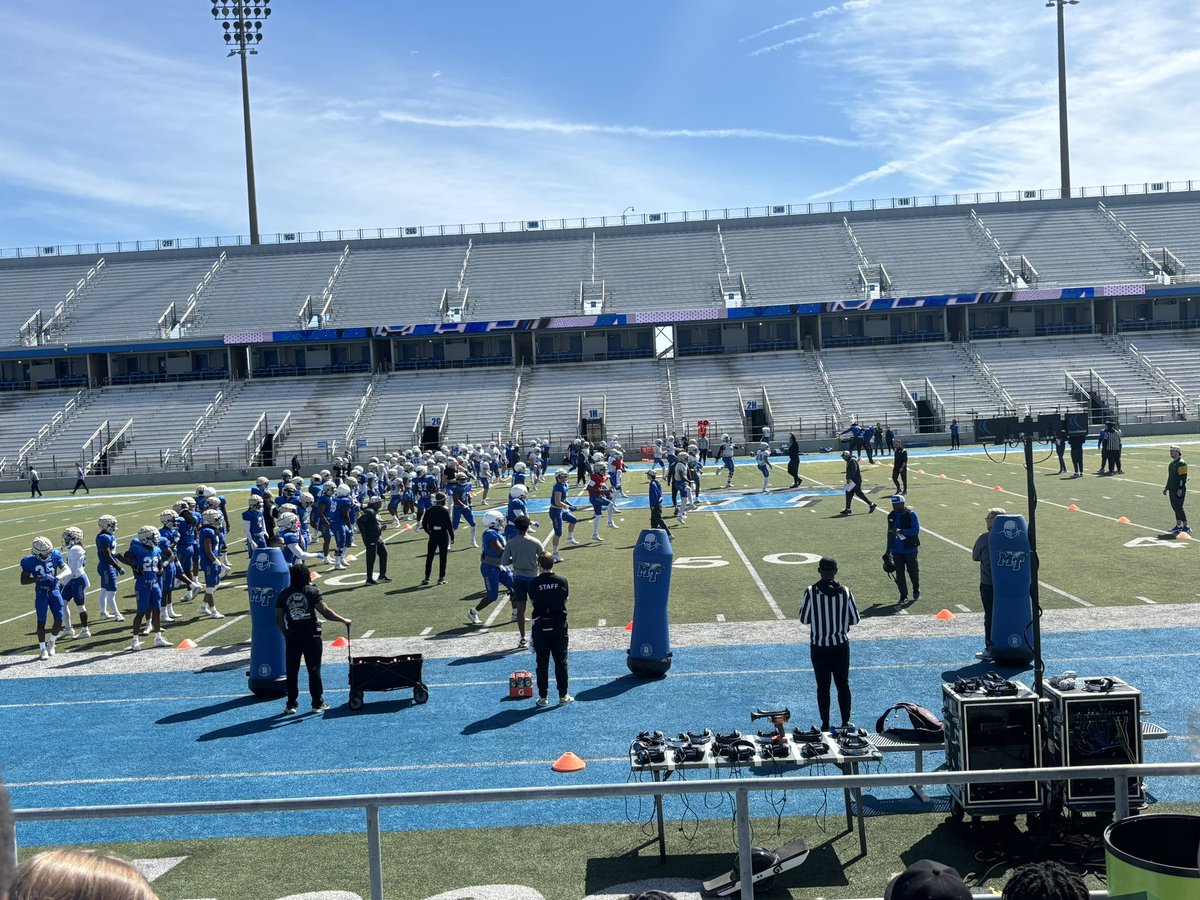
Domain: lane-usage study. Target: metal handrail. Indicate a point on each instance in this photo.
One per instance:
(741, 788)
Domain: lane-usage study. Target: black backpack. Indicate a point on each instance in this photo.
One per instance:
(926, 728)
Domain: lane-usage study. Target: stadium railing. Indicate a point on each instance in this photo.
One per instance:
(741, 788)
(651, 218)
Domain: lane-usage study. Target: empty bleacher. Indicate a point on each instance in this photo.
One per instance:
(1176, 353)
(867, 380)
(1173, 225)
(262, 291)
(934, 254)
(793, 263)
(23, 291)
(509, 280)
(660, 270)
(551, 394)
(1067, 246)
(396, 285)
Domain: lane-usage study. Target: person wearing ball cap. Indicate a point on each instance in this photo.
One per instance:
(904, 531)
(927, 880)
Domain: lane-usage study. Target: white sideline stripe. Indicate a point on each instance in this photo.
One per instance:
(600, 623)
(1041, 583)
(15, 618)
(426, 630)
(225, 776)
(720, 617)
(1148, 600)
(750, 568)
(495, 612)
(220, 627)
(366, 634)
(962, 607)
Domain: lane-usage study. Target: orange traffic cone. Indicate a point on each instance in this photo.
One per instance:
(945, 615)
(629, 627)
(1073, 508)
(997, 488)
(568, 762)
(1124, 520)
(342, 641)
(941, 476)
(186, 644)
(967, 481)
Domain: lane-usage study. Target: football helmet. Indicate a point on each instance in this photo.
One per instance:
(262, 481)
(325, 474)
(42, 547)
(289, 490)
(519, 467)
(287, 475)
(190, 501)
(461, 478)
(298, 482)
(167, 517)
(306, 499)
(288, 522)
(493, 519)
(213, 503)
(421, 471)
(518, 492)
(200, 489)
(329, 488)
(342, 490)
(562, 475)
(597, 457)
(213, 517)
(255, 501)
(600, 467)
(288, 508)
(107, 524)
(180, 506)
(725, 439)
(72, 536)
(210, 492)
(148, 536)
(763, 445)
(351, 482)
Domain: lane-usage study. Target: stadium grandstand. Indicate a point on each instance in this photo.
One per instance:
(193, 354)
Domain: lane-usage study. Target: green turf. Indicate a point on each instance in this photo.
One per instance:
(569, 863)
(1082, 552)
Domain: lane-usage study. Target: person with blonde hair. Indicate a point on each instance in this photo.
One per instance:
(78, 875)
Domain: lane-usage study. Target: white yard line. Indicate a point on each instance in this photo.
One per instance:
(426, 630)
(366, 634)
(750, 568)
(1147, 600)
(220, 627)
(962, 607)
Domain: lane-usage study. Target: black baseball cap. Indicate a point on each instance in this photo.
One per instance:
(927, 880)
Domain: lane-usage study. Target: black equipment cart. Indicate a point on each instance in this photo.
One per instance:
(385, 673)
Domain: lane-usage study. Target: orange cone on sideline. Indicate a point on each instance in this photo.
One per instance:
(967, 481)
(568, 762)
(1073, 508)
(340, 642)
(941, 476)
(945, 615)
(1124, 520)
(313, 575)
(1182, 536)
(997, 488)
(186, 644)
(629, 627)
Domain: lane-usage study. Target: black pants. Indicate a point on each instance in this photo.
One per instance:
(656, 519)
(546, 643)
(439, 543)
(794, 470)
(1103, 459)
(307, 648)
(380, 549)
(1114, 461)
(906, 564)
(987, 595)
(954, 444)
(900, 477)
(857, 492)
(80, 483)
(34, 490)
(1077, 459)
(1177, 507)
(832, 664)
(703, 457)
(1062, 465)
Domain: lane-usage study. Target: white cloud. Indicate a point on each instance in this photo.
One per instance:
(788, 24)
(804, 38)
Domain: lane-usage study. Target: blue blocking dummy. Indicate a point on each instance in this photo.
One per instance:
(650, 642)
(266, 577)
(1012, 609)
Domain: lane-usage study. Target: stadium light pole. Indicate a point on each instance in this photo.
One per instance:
(242, 23)
(1063, 149)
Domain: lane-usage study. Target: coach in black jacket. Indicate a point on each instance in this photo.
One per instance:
(436, 523)
(829, 611)
(854, 484)
(372, 535)
(548, 593)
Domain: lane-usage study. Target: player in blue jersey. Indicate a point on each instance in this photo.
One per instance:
(516, 508)
(341, 522)
(145, 557)
(254, 527)
(108, 568)
(75, 588)
(494, 574)
(168, 540)
(460, 496)
(188, 523)
(519, 474)
(561, 510)
(725, 457)
(424, 487)
(41, 569)
(304, 514)
(293, 547)
(210, 560)
(323, 516)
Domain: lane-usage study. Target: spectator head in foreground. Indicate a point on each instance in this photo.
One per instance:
(650, 895)
(927, 880)
(78, 875)
(1047, 880)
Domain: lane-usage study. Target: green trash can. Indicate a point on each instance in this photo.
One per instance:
(1154, 857)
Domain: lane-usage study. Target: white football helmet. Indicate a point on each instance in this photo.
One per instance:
(255, 501)
(289, 490)
(518, 492)
(200, 489)
(181, 506)
(213, 517)
(148, 536)
(210, 492)
(352, 482)
(519, 467)
(42, 547)
(167, 517)
(107, 524)
(288, 522)
(306, 499)
(329, 488)
(597, 457)
(421, 471)
(494, 519)
(763, 445)
(562, 475)
(213, 503)
(725, 439)
(72, 536)
(600, 468)
(262, 481)
(297, 482)
(342, 490)
(325, 474)
(462, 478)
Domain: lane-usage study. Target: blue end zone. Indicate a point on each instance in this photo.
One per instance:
(190, 736)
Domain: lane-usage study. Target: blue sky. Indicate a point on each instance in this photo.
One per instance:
(122, 121)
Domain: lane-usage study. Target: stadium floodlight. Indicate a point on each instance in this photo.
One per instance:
(1063, 150)
(242, 30)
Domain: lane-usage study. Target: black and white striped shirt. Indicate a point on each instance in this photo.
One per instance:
(829, 611)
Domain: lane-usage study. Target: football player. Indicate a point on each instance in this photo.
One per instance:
(77, 584)
(253, 524)
(600, 496)
(681, 485)
(168, 540)
(725, 454)
(293, 545)
(460, 495)
(145, 557)
(210, 561)
(494, 574)
(108, 568)
(342, 523)
(516, 508)
(561, 510)
(41, 568)
(762, 459)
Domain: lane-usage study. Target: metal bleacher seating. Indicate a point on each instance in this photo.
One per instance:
(792, 263)
(262, 291)
(1176, 353)
(867, 383)
(660, 270)
(933, 254)
(529, 279)
(551, 399)
(23, 291)
(126, 302)
(1067, 246)
(396, 285)
(480, 402)
(1170, 225)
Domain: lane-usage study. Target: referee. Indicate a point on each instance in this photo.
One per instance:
(829, 611)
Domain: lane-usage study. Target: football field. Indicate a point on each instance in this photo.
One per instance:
(100, 725)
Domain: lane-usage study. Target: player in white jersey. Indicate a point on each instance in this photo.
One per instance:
(75, 588)
(762, 459)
